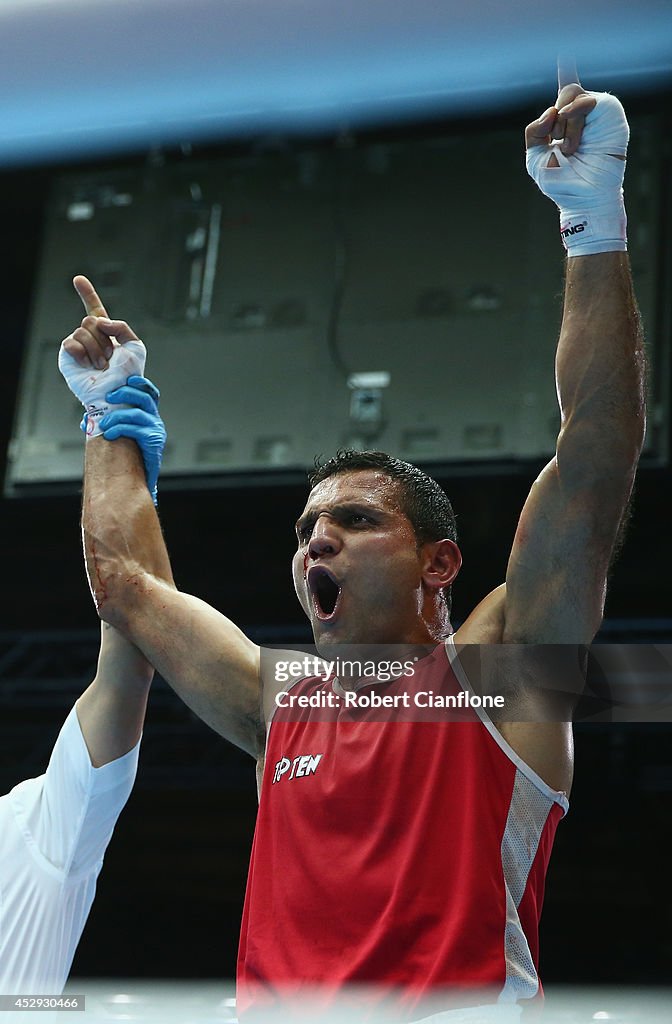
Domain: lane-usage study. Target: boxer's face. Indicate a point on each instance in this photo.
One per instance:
(358, 567)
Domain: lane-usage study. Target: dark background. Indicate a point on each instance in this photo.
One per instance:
(171, 891)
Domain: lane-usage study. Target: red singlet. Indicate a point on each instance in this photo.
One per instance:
(397, 848)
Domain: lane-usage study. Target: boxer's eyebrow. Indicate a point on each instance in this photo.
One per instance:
(341, 512)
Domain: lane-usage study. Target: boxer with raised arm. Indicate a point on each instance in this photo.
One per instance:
(406, 854)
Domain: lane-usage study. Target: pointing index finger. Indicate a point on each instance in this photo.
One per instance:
(89, 296)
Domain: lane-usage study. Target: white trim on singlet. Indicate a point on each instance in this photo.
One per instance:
(529, 808)
(553, 794)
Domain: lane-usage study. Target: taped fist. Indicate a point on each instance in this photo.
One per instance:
(89, 383)
(582, 171)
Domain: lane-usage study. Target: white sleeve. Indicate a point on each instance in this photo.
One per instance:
(67, 815)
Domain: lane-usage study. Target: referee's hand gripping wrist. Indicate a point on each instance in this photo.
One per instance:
(135, 414)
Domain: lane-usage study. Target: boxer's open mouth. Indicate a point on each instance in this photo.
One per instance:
(325, 592)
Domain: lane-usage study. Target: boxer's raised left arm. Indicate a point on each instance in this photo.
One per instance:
(556, 577)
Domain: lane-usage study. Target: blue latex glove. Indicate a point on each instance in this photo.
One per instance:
(142, 423)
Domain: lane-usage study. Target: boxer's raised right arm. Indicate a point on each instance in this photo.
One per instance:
(209, 662)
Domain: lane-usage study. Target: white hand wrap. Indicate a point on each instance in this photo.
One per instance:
(587, 187)
(91, 386)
